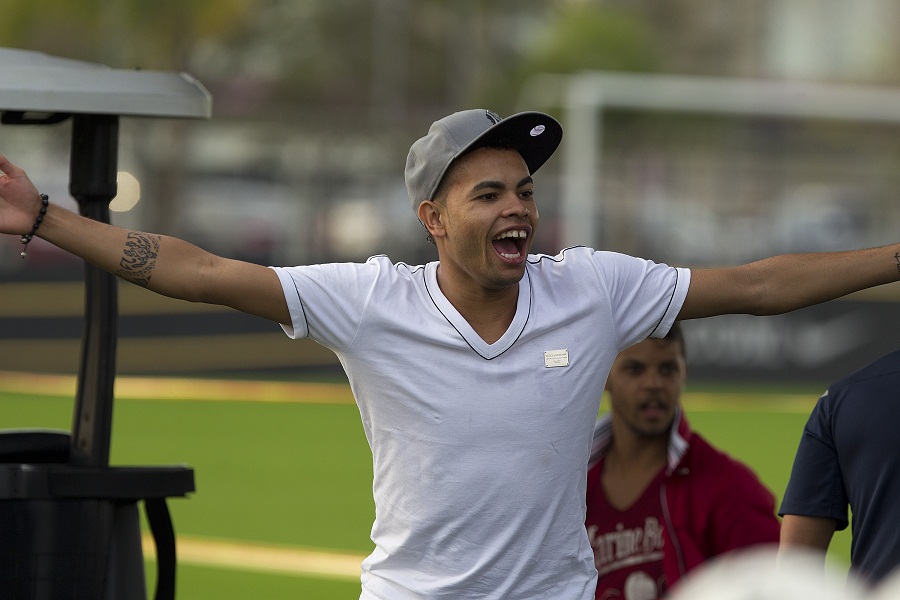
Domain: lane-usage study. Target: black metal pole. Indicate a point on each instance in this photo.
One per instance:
(93, 184)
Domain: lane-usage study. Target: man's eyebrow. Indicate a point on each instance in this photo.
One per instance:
(499, 185)
(489, 184)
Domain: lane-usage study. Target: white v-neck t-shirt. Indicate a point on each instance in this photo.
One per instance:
(480, 450)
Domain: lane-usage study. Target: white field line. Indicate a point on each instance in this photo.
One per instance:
(252, 556)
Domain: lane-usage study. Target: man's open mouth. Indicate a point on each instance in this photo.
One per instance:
(511, 244)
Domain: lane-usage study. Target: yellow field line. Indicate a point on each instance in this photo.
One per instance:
(254, 556)
(792, 403)
(183, 388)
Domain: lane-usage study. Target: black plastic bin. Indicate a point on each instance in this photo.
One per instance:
(73, 533)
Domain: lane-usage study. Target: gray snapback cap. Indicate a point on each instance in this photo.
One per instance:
(535, 135)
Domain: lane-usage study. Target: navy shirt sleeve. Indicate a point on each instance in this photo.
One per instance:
(816, 487)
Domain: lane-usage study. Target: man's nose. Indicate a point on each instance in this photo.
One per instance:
(515, 206)
(652, 379)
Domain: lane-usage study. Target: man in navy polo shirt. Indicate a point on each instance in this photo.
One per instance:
(849, 457)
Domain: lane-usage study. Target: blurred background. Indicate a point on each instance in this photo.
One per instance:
(315, 104)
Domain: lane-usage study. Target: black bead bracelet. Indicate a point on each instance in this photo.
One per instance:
(45, 202)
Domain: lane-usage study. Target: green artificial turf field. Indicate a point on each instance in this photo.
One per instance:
(297, 477)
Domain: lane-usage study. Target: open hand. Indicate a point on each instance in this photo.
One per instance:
(19, 199)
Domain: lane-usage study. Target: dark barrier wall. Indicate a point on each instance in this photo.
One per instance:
(813, 345)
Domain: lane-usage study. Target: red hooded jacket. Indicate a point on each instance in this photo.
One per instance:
(711, 502)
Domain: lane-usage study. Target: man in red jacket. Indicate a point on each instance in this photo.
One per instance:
(660, 499)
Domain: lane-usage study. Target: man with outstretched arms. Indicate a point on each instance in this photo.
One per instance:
(476, 374)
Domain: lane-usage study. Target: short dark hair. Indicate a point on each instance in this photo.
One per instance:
(676, 336)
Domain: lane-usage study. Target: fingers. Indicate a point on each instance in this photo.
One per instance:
(15, 187)
(12, 177)
(9, 169)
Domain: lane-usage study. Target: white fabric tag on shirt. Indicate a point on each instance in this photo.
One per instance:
(556, 358)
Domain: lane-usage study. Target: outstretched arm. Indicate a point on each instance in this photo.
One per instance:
(164, 264)
(784, 283)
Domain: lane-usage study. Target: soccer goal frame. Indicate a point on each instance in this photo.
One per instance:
(584, 97)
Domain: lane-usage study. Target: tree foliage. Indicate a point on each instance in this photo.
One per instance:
(365, 60)
(148, 34)
(580, 36)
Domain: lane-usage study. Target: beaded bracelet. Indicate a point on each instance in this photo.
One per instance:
(45, 202)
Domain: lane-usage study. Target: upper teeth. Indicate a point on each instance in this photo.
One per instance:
(518, 233)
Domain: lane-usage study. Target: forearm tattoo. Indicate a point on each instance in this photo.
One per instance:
(138, 258)
(897, 258)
